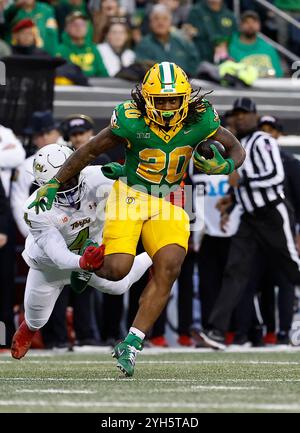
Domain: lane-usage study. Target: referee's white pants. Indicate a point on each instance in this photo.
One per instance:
(44, 286)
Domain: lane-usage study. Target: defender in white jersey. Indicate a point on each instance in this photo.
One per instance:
(56, 238)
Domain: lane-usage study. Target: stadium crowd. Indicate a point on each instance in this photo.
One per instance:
(111, 38)
(105, 38)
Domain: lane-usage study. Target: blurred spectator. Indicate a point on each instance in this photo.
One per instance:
(162, 45)
(78, 129)
(6, 311)
(24, 39)
(3, 216)
(179, 10)
(114, 50)
(63, 8)
(80, 52)
(102, 14)
(211, 24)
(43, 130)
(42, 15)
(11, 155)
(5, 49)
(249, 48)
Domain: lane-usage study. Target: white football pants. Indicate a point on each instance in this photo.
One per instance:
(44, 286)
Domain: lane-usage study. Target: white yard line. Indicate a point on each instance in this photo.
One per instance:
(54, 391)
(190, 389)
(149, 405)
(118, 379)
(221, 388)
(158, 362)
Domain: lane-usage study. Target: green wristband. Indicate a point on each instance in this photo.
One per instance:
(230, 165)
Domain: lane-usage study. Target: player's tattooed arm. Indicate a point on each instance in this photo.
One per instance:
(99, 144)
(232, 145)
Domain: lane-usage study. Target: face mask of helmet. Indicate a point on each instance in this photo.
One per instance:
(71, 193)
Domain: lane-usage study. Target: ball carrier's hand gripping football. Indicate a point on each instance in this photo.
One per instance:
(216, 165)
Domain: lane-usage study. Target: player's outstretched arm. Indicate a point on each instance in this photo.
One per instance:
(232, 145)
(102, 142)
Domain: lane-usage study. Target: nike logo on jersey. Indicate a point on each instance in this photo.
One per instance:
(187, 132)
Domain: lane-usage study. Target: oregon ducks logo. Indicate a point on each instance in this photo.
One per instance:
(130, 200)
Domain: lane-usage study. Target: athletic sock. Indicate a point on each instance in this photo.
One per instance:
(135, 338)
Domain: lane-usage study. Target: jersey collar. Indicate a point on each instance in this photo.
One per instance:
(166, 136)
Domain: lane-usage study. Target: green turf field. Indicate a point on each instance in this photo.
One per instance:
(169, 382)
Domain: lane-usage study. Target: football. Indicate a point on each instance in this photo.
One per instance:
(204, 149)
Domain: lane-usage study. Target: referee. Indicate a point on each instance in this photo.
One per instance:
(265, 223)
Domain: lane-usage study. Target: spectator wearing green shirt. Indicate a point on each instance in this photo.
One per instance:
(78, 51)
(211, 24)
(249, 48)
(63, 8)
(164, 45)
(42, 15)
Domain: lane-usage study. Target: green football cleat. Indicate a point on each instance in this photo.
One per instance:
(126, 352)
(80, 279)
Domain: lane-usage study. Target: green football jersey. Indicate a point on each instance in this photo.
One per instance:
(154, 157)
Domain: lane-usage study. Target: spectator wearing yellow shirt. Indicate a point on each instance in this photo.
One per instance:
(78, 51)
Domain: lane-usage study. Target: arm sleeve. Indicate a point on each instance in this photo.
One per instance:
(53, 244)
(50, 240)
(267, 164)
(12, 152)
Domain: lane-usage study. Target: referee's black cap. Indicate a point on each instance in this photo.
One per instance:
(244, 104)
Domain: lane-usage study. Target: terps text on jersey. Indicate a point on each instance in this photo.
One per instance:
(136, 201)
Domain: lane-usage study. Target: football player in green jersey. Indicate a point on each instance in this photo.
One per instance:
(160, 129)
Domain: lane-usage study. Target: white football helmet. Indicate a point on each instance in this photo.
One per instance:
(47, 162)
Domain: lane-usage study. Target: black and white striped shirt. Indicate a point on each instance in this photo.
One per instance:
(262, 173)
